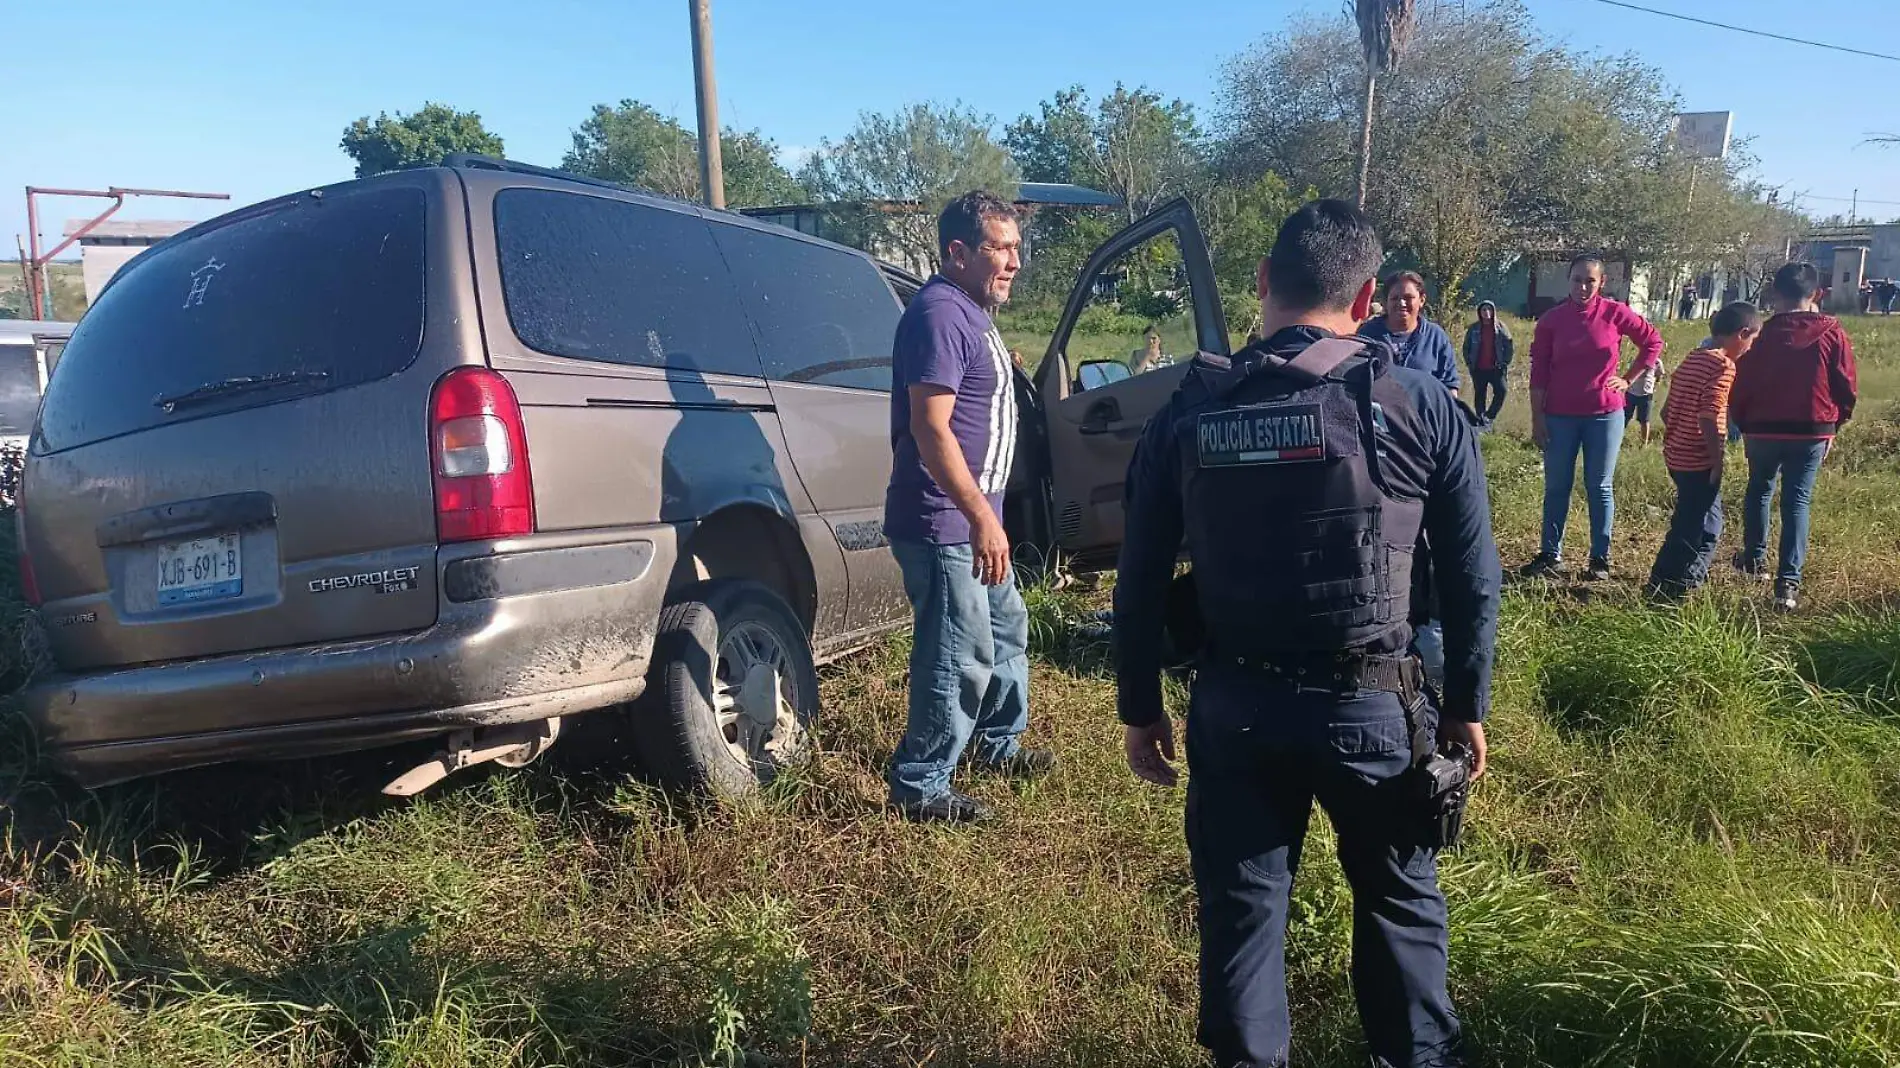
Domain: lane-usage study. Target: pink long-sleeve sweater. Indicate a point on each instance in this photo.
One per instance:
(1575, 349)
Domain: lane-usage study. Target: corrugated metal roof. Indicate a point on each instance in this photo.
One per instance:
(22, 330)
(1057, 193)
(1065, 193)
(154, 229)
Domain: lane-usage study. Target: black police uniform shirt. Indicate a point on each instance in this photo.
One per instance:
(1449, 476)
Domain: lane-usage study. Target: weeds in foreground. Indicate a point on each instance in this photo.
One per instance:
(1684, 855)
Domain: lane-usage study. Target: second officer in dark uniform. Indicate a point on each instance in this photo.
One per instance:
(1300, 474)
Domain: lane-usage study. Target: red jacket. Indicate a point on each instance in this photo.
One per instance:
(1797, 381)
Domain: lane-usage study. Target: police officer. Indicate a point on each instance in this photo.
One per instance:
(1300, 474)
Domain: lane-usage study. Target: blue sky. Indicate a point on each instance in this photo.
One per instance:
(250, 99)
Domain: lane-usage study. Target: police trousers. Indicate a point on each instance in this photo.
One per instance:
(1259, 753)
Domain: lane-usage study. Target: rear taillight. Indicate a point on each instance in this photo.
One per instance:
(29, 583)
(480, 452)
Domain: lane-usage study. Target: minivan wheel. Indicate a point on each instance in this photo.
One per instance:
(732, 694)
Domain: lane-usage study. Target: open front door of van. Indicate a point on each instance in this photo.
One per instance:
(1149, 287)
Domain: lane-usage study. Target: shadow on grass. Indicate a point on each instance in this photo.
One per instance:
(228, 819)
(227, 816)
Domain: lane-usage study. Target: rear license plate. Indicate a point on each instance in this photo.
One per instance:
(203, 569)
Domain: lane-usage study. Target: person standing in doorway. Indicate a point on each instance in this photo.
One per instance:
(1577, 407)
(1488, 352)
(1685, 307)
(1792, 394)
(1419, 343)
(953, 436)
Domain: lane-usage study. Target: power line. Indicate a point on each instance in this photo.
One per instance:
(1756, 33)
(1844, 200)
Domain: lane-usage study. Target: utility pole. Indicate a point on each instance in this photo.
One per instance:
(1853, 213)
(712, 175)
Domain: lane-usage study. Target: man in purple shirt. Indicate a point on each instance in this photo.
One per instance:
(953, 437)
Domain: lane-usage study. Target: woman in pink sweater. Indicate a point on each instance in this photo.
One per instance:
(1577, 407)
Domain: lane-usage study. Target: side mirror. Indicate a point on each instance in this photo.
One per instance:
(1094, 374)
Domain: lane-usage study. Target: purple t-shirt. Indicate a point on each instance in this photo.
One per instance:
(945, 339)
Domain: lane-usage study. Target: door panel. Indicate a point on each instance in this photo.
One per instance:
(840, 442)
(824, 317)
(1156, 271)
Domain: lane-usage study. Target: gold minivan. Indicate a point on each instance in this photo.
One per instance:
(459, 452)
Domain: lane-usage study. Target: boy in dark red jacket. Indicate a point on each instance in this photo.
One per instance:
(1793, 393)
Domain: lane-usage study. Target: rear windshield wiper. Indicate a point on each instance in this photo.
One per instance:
(238, 384)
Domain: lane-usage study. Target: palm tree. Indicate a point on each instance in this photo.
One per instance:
(1385, 28)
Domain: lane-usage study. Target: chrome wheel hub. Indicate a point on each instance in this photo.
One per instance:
(754, 695)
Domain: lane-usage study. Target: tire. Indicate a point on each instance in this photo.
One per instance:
(705, 641)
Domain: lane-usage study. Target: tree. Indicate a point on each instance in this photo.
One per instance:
(1241, 223)
(1131, 144)
(917, 159)
(635, 145)
(422, 139)
(1490, 142)
(1385, 27)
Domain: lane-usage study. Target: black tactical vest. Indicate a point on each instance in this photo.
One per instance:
(1298, 542)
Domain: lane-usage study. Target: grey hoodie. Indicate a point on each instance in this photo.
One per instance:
(1506, 347)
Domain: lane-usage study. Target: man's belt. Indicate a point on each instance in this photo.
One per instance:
(1399, 673)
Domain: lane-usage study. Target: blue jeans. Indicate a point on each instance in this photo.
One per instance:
(1683, 562)
(1259, 753)
(1598, 438)
(1797, 464)
(969, 668)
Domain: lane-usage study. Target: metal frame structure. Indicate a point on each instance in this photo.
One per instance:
(37, 291)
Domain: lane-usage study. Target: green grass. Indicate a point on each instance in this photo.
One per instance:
(1685, 855)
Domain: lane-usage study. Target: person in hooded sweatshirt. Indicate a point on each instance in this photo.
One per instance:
(1792, 394)
(1488, 352)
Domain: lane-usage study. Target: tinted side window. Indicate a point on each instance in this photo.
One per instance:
(825, 317)
(599, 279)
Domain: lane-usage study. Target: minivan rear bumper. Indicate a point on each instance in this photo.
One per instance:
(521, 635)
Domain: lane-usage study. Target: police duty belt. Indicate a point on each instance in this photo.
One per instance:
(1399, 673)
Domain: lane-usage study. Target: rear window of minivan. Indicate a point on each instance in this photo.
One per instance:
(317, 292)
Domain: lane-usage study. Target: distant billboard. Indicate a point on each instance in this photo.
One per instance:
(1704, 134)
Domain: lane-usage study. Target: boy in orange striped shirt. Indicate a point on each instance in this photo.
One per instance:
(1695, 432)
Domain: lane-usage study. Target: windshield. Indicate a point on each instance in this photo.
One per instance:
(331, 284)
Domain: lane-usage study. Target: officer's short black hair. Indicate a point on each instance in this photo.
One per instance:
(1733, 319)
(1324, 253)
(962, 219)
(1797, 281)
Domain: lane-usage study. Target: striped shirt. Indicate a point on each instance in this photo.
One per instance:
(993, 477)
(1698, 390)
(945, 339)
